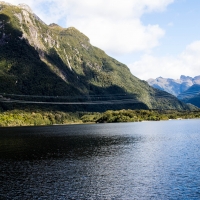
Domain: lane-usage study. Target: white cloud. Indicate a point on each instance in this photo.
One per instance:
(121, 37)
(113, 25)
(187, 63)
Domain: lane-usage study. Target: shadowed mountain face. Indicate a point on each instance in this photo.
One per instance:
(173, 86)
(195, 100)
(38, 61)
(191, 95)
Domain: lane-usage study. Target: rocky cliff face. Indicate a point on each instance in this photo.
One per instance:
(39, 60)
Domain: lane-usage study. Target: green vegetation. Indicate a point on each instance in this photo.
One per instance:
(38, 117)
(30, 118)
(41, 65)
(37, 59)
(146, 115)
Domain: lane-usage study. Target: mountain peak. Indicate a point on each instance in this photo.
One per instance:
(5, 3)
(25, 7)
(54, 25)
(185, 78)
(174, 86)
(37, 59)
(76, 33)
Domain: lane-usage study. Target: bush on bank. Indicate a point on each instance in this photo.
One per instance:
(38, 117)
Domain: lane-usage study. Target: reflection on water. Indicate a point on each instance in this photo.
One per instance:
(150, 160)
(44, 146)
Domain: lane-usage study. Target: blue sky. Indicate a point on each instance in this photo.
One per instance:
(152, 37)
(180, 21)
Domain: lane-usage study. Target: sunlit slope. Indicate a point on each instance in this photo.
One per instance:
(37, 59)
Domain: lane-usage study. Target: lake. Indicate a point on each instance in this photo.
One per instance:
(143, 160)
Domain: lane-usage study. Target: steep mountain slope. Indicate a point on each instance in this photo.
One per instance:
(41, 63)
(194, 100)
(173, 86)
(192, 95)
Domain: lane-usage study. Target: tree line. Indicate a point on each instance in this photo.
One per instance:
(38, 117)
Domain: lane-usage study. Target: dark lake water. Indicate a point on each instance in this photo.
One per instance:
(147, 160)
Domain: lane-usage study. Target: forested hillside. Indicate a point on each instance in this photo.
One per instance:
(50, 66)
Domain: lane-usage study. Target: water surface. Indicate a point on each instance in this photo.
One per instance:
(148, 160)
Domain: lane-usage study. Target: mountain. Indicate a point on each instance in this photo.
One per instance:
(174, 86)
(191, 95)
(49, 65)
(187, 89)
(195, 100)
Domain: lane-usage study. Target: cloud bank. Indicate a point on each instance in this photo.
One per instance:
(186, 63)
(113, 25)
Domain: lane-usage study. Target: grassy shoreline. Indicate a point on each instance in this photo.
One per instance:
(15, 118)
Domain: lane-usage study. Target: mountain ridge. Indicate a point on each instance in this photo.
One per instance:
(174, 86)
(40, 59)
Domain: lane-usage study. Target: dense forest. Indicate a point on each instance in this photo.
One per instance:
(38, 117)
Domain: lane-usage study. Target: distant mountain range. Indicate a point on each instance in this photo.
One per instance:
(186, 88)
(44, 64)
(174, 86)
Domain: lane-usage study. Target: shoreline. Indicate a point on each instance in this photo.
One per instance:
(20, 118)
(90, 123)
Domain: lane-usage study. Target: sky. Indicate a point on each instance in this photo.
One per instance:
(152, 37)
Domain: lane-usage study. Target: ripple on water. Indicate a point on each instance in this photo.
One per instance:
(153, 160)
